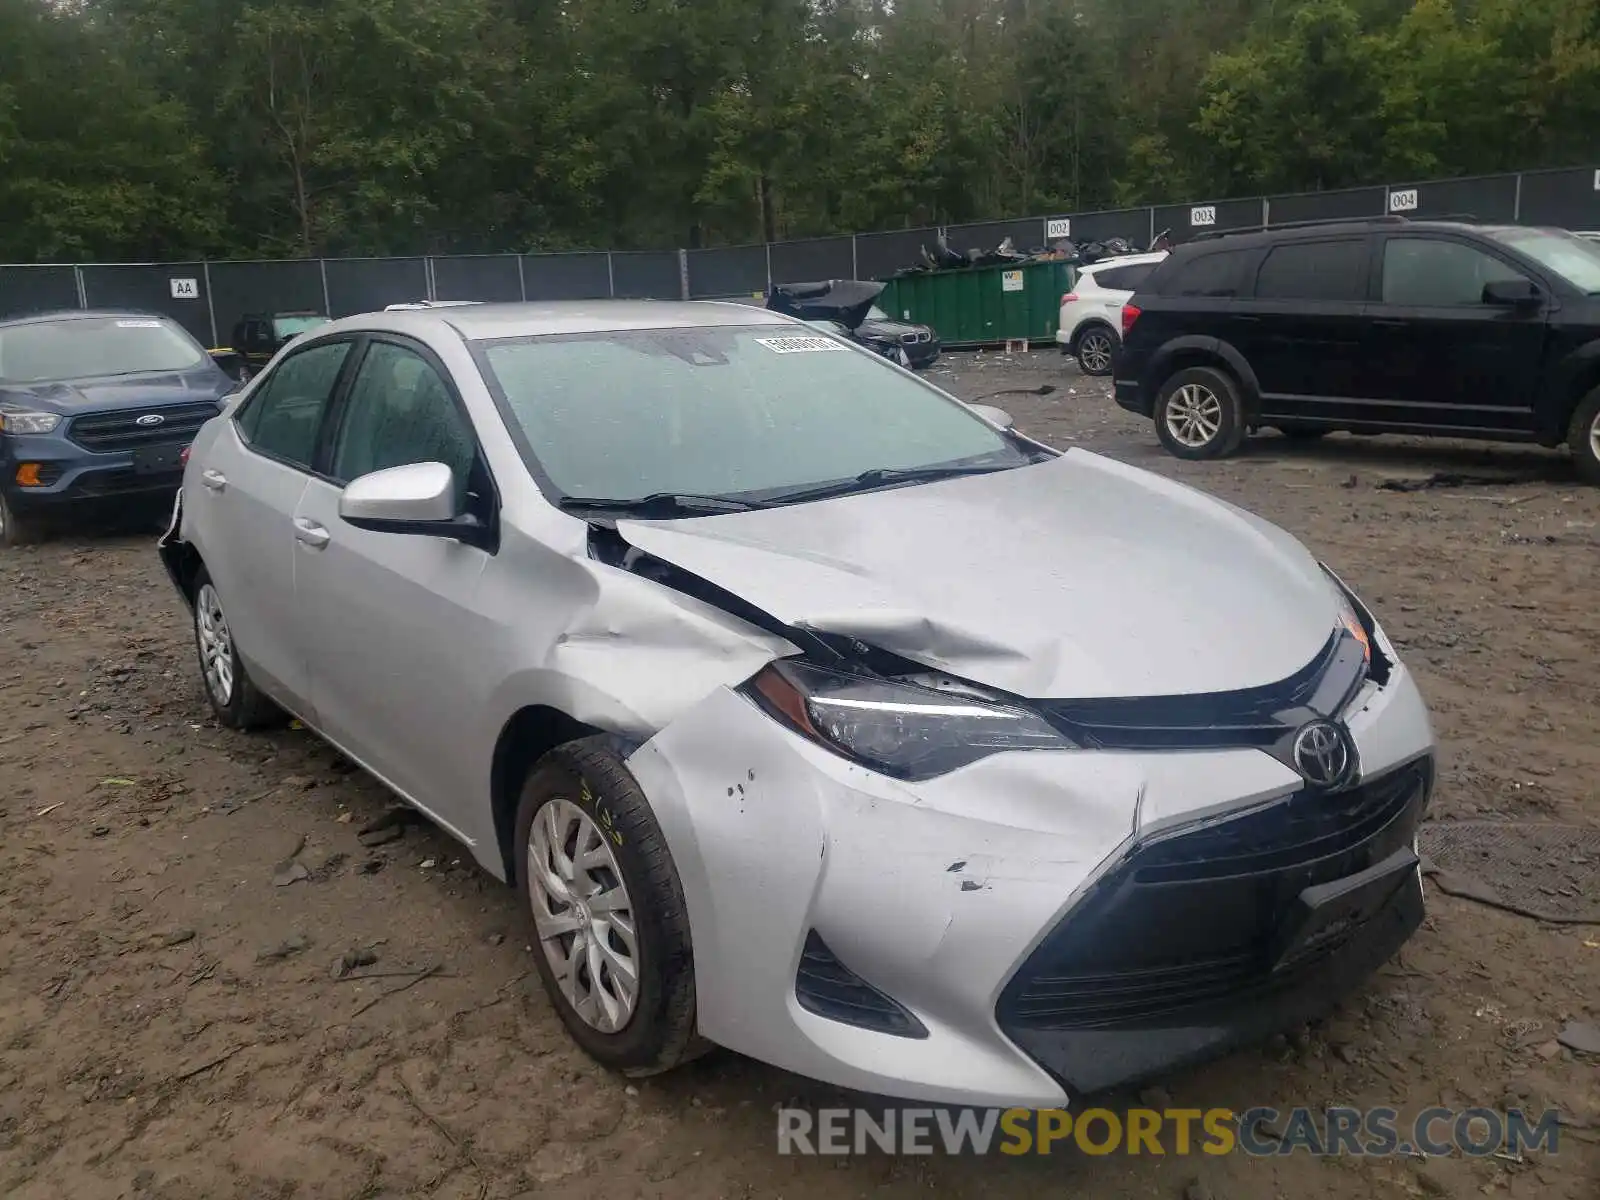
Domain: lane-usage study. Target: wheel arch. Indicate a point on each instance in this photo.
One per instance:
(527, 736)
(1580, 377)
(1088, 323)
(1182, 353)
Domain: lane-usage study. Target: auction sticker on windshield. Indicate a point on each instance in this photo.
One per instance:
(799, 345)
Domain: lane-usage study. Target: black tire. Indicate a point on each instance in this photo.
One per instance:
(1215, 394)
(1099, 343)
(244, 706)
(18, 531)
(1302, 433)
(1583, 438)
(660, 1033)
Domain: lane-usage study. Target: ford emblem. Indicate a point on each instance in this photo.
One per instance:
(150, 419)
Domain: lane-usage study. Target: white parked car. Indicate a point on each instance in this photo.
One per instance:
(1091, 313)
(813, 712)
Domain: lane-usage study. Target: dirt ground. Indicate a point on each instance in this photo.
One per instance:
(173, 1023)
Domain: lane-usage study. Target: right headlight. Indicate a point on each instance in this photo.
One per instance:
(19, 420)
(899, 729)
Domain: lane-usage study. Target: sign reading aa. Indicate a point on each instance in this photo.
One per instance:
(1203, 214)
(1011, 281)
(1061, 227)
(1403, 200)
(185, 289)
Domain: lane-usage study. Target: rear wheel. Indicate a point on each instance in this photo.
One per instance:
(1199, 414)
(1093, 348)
(608, 911)
(1583, 438)
(234, 697)
(15, 530)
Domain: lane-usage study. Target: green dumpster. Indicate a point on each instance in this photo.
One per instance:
(983, 306)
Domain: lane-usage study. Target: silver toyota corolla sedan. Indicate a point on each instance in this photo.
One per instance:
(814, 713)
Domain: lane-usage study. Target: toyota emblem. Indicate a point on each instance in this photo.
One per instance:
(1324, 755)
(150, 419)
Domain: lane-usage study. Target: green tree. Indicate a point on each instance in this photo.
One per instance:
(96, 164)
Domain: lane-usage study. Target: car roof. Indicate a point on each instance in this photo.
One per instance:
(81, 314)
(487, 322)
(1235, 239)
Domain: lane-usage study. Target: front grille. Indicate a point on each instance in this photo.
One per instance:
(917, 338)
(827, 987)
(1259, 717)
(1197, 918)
(117, 483)
(106, 433)
(1309, 827)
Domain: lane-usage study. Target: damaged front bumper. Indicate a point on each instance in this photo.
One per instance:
(1051, 923)
(170, 547)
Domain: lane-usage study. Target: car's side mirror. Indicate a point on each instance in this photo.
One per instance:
(1512, 293)
(418, 499)
(995, 416)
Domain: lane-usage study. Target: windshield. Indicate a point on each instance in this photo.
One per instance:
(86, 347)
(1573, 258)
(726, 412)
(286, 327)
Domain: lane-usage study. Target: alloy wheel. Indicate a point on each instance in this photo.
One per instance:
(1194, 415)
(584, 915)
(1594, 437)
(216, 644)
(1094, 352)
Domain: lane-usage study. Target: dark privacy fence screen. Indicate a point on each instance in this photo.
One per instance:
(208, 298)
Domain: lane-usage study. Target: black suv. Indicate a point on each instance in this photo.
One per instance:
(258, 336)
(1386, 325)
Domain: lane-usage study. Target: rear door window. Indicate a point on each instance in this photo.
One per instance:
(1334, 269)
(1215, 274)
(1125, 279)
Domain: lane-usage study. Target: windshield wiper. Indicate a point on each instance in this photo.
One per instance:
(658, 505)
(881, 477)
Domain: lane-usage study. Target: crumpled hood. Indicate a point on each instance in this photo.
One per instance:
(206, 381)
(1075, 578)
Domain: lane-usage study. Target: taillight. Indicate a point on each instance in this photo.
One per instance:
(1069, 298)
(1130, 314)
(183, 456)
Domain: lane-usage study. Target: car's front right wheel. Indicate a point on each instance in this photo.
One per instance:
(1199, 414)
(608, 910)
(1583, 438)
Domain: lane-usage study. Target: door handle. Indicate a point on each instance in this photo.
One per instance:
(1248, 317)
(311, 534)
(1390, 323)
(215, 480)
